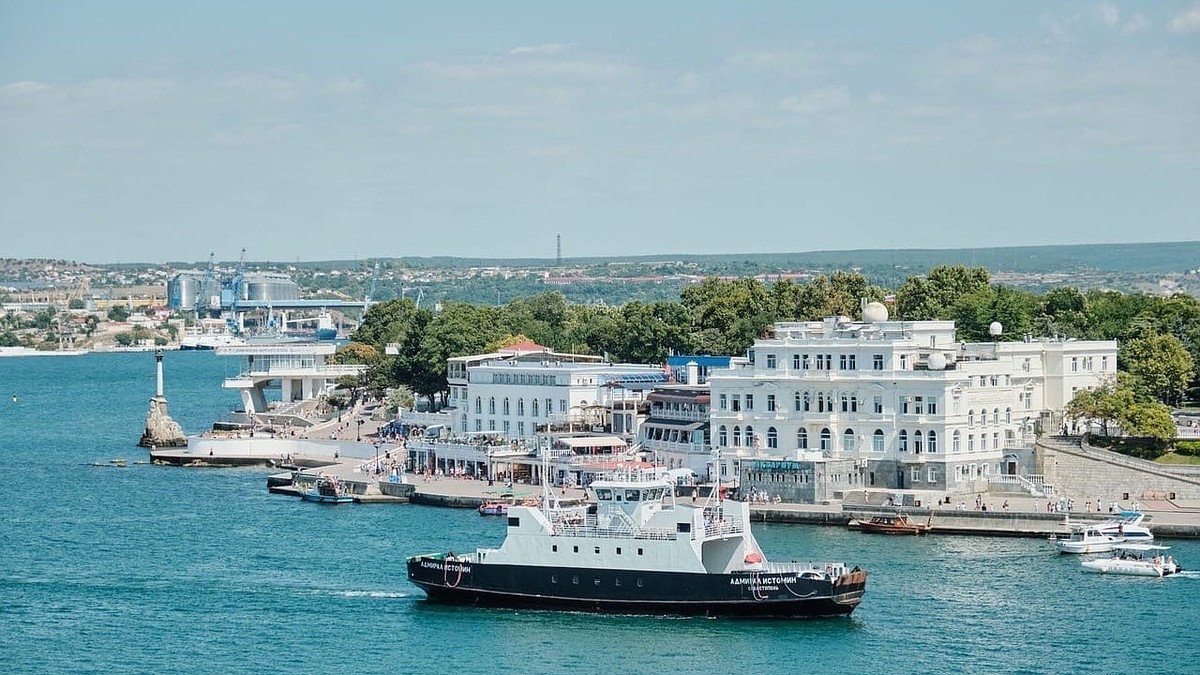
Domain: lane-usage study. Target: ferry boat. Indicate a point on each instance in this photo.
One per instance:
(327, 490)
(639, 552)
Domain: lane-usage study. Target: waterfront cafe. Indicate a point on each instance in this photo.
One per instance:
(575, 457)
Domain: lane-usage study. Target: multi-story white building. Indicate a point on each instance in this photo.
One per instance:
(527, 388)
(913, 407)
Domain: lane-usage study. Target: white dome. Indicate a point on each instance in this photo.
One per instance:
(995, 329)
(937, 361)
(875, 312)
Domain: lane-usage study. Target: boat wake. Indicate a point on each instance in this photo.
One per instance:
(1187, 574)
(370, 594)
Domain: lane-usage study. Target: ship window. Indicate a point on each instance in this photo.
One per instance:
(554, 578)
(618, 550)
(554, 548)
(576, 549)
(640, 582)
(575, 579)
(632, 495)
(683, 527)
(597, 550)
(617, 581)
(596, 581)
(639, 553)
(603, 494)
(514, 522)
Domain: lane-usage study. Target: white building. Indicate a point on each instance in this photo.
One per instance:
(913, 407)
(528, 388)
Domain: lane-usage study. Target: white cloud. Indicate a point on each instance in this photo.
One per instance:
(540, 50)
(1187, 22)
(801, 62)
(818, 101)
(1135, 24)
(23, 88)
(1109, 14)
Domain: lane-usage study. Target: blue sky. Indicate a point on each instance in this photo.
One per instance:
(153, 131)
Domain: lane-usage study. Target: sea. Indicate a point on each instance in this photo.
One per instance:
(151, 569)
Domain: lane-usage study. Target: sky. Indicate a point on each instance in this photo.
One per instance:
(157, 131)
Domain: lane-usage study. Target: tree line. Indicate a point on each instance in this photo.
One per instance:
(1159, 336)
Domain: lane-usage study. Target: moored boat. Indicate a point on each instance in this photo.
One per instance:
(893, 524)
(1142, 560)
(1128, 527)
(328, 490)
(639, 552)
(1086, 539)
(493, 508)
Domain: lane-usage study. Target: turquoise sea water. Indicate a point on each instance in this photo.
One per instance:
(167, 570)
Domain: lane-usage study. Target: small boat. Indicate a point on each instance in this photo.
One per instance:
(328, 490)
(1140, 560)
(1127, 526)
(894, 524)
(493, 508)
(1087, 539)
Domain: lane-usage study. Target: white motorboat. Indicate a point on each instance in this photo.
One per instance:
(1086, 539)
(1141, 560)
(1128, 526)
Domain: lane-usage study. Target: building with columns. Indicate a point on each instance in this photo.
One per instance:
(910, 406)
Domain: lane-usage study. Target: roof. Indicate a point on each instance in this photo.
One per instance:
(702, 361)
(591, 441)
(521, 347)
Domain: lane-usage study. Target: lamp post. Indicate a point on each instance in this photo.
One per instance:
(359, 437)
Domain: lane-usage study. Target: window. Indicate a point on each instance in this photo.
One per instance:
(996, 440)
(843, 361)
(877, 440)
(848, 440)
(853, 365)
(770, 402)
(492, 405)
(931, 474)
(506, 427)
(478, 425)
(536, 410)
(931, 441)
(970, 418)
(903, 362)
(772, 438)
(826, 439)
(956, 442)
(918, 442)
(807, 402)
(750, 354)
(722, 402)
(750, 437)
(520, 407)
(795, 362)
(478, 405)
(749, 401)
(770, 361)
(736, 403)
(820, 401)
(549, 406)
(919, 405)
(799, 402)
(802, 439)
(845, 403)
(877, 362)
(1104, 363)
(506, 407)
(737, 437)
(1074, 364)
(854, 404)
(916, 474)
(521, 429)
(491, 425)
(721, 438)
(970, 442)
(902, 441)
(877, 405)
(931, 404)
(1008, 415)
(805, 362)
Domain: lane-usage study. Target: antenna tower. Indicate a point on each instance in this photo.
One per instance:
(558, 254)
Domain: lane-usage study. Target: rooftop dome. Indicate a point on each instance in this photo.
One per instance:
(875, 312)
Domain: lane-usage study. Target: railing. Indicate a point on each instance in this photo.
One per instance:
(834, 569)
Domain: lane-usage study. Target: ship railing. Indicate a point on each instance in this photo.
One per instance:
(722, 527)
(594, 531)
(834, 569)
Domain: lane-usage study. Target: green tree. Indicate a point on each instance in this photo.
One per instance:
(356, 352)
(1106, 403)
(729, 313)
(1150, 420)
(9, 339)
(933, 296)
(118, 313)
(75, 303)
(1063, 311)
(1161, 368)
(974, 313)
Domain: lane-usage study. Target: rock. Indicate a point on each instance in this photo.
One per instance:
(161, 430)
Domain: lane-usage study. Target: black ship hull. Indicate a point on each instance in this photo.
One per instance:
(743, 594)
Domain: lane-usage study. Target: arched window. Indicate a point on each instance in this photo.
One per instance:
(506, 407)
(799, 404)
(845, 403)
(931, 439)
(478, 405)
(902, 443)
(749, 437)
(807, 402)
(722, 439)
(877, 440)
(826, 439)
(820, 401)
(802, 439)
(848, 440)
(995, 416)
(534, 406)
(1008, 415)
(737, 437)
(956, 442)
(521, 407)
(492, 405)
(772, 438)
(970, 418)
(918, 445)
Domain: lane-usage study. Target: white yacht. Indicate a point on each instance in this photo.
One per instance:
(1128, 526)
(1086, 539)
(1142, 560)
(641, 552)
